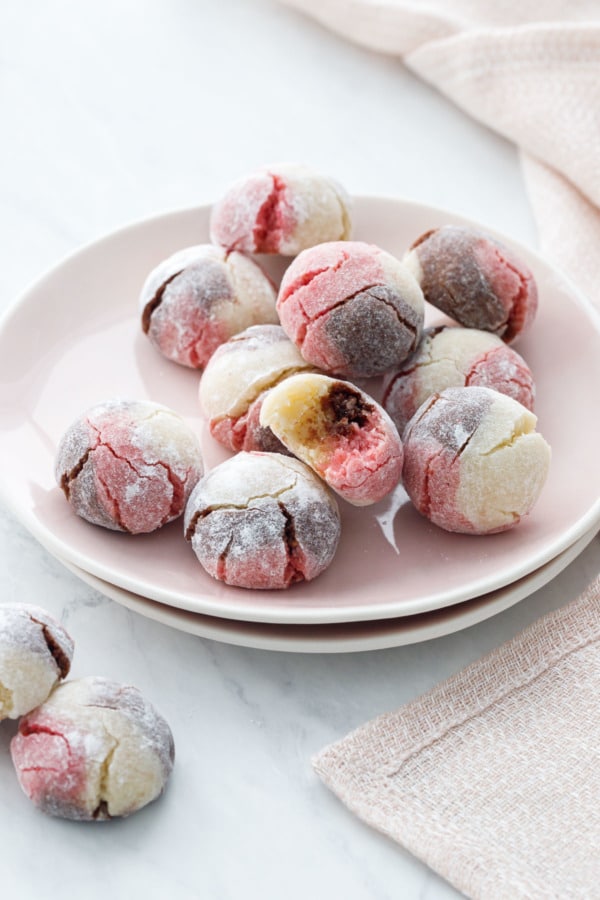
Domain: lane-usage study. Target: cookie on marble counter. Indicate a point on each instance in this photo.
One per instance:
(35, 654)
(94, 750)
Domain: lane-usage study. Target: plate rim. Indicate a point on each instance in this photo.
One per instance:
(512, 594)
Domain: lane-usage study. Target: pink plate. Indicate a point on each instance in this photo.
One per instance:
(73, 340)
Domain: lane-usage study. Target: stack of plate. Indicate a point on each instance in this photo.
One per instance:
(73, 340)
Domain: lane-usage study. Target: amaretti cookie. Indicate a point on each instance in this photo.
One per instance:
(94, 750)
(475, 280)
(473, 461)
(35, 654)
(200, 297)
(262, 520)
(353, 309)
(340, 432)
(128, 465)
(283, 208)
(236, 379)
(455, 357)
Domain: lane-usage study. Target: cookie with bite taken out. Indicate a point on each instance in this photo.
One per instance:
(340, 432)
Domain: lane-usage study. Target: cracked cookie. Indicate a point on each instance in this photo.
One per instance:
(94, 750)
(473, 461)
(262, 520)
(475, 280)
(283, 208)
(339, 431)
(353, 309)
(455, 357)
(235, 382)
(200, 297)
(128, 465)
(35, 654)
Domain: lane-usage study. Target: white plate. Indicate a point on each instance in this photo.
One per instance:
(348, 637)
(73, 339)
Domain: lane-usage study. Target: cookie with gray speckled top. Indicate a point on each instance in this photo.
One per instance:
(352, 308)
(262, 520)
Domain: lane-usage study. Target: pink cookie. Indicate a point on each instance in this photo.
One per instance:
(281, 209)
(475, 280)
(473, 461)
(200, 297)
(455, 357)
(351, 308)
(262, 520)
(236, 380)
(128, 465)
(94, 750)
(35, 654)
(340, 432)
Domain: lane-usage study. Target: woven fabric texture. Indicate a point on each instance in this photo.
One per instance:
(492, 778)
(530, 70)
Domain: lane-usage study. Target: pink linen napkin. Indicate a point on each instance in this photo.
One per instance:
(492, 777)
(529, 69)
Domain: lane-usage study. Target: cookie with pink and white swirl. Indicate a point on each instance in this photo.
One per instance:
(473, 461)
(94, 750)
(455, 357)
(283, 208)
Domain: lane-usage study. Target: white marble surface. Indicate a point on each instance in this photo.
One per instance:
(113, 111)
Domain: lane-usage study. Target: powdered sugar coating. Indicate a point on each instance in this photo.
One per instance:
(474, 279)
(455, 357)
(201, 296)
(235, 380)
(35, 654)
(340, 432)
(352, 308)
(128, 465)
(473, 461)
(283, 208)
(94, 750)
(262, 520)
